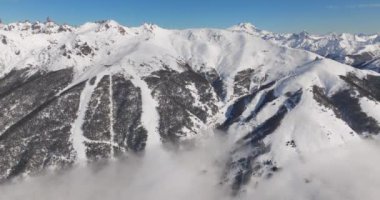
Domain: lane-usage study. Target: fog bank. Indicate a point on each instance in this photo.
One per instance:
(341, 173)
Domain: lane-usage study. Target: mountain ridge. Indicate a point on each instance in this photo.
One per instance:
(358, 50)
(100, 92)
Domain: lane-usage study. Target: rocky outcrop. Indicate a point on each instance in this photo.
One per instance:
(37, 122)
(39, 110)
(242, 82)
(242, 165)
(186, 100)
(127, 108)
(346, 106)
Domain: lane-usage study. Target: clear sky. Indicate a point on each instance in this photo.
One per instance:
(316, 16)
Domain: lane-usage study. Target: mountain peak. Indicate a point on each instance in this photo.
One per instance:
(304, 32)
(244, 26)
(247, 25)
(248, 28)
(110, 23)
(150, 27)
(33, 27)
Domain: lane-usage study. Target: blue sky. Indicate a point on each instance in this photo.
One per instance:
(316, 16)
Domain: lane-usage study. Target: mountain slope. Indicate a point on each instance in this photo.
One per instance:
(72, 95)
(358, 50)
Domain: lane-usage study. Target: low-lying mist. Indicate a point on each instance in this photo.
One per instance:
(346, 172)
(342, 173)
(191, 173)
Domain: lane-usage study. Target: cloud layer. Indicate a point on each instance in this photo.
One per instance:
(341, 173)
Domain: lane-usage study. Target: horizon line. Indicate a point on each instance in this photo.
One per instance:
(48, 19)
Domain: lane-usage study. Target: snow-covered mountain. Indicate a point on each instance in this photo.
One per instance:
(358, 50)
(76, 95)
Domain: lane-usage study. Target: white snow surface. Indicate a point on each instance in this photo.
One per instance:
(338, 46)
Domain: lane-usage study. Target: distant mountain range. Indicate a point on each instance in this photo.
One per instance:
(358, 50)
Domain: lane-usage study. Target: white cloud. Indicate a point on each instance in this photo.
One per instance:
(160, 175)
(347, 172)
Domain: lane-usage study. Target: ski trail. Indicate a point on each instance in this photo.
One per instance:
(77, 137)
(149, 116)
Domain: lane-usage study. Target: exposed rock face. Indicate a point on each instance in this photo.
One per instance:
(368, 86)
(267, 98)
(351, 112)
(38, 112)
(40, 108)
(243, 165)
(345, 103)
(127, 109)
(112, 123)
(235, 111)
(97, 122)
(362, 60)
(84, 49)
(216, 82)
(37, 129)
(22, 95)
(243, 82)
(4, 40)
(186, 100)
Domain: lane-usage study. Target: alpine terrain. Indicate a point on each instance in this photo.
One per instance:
(358, 50)
(73, 96)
